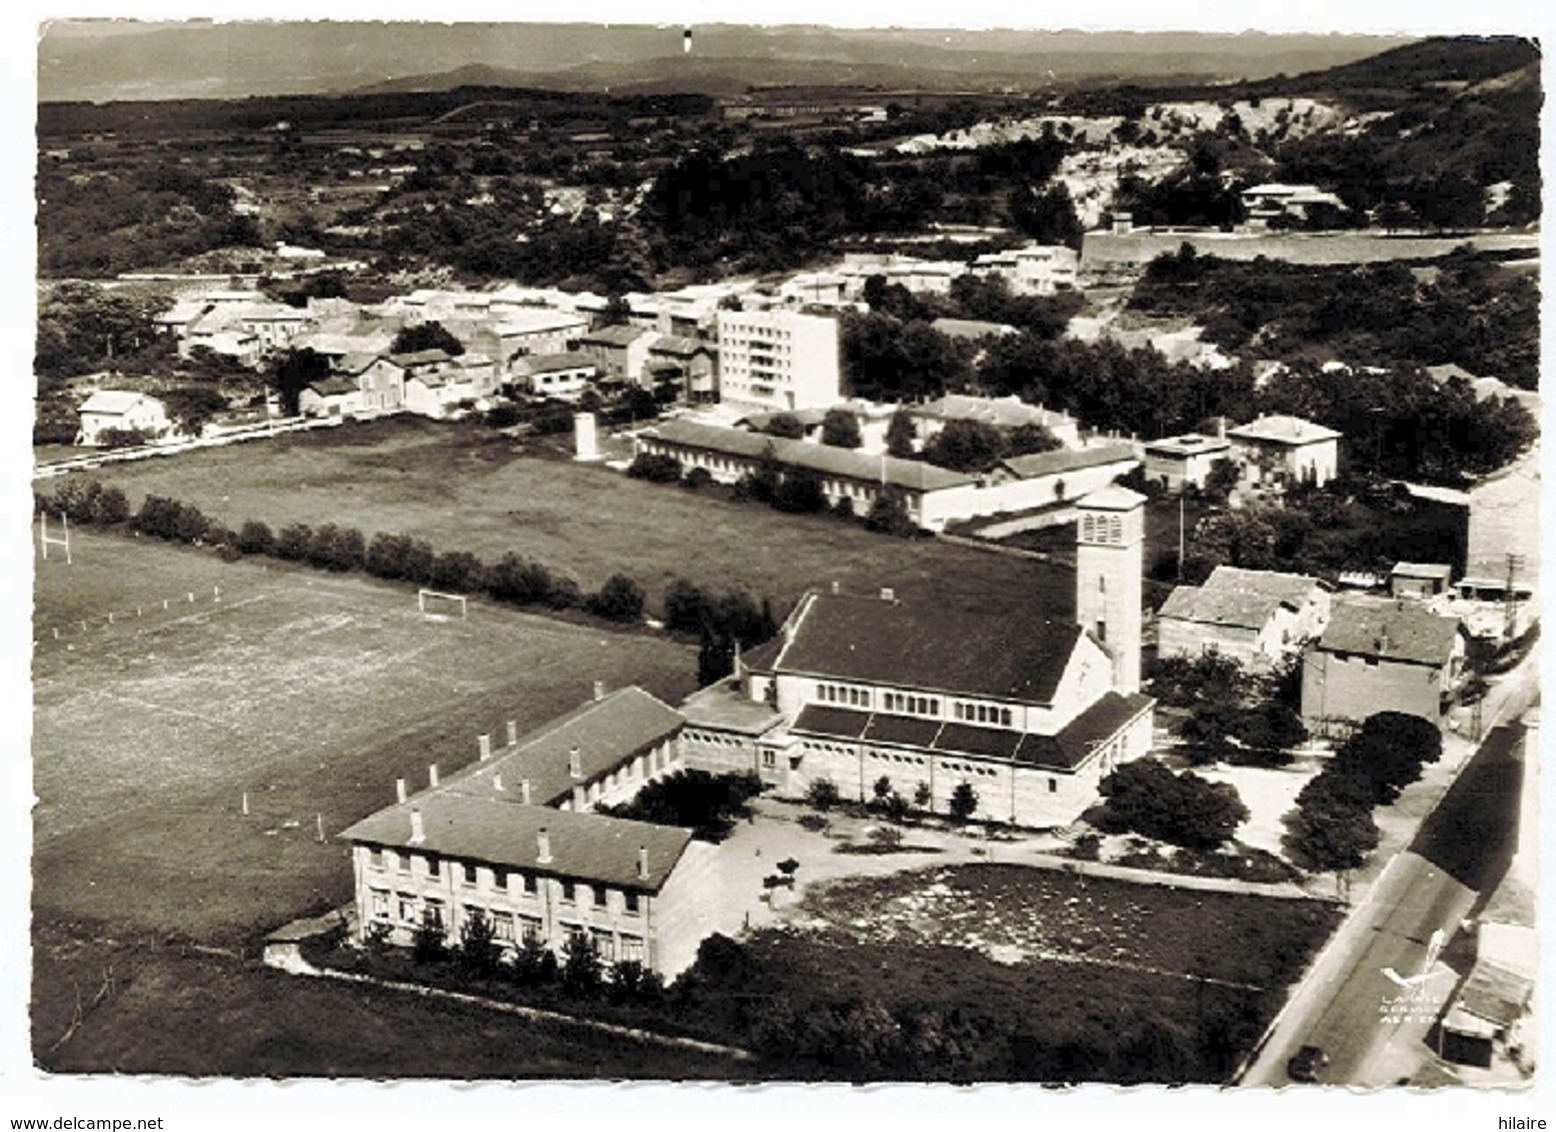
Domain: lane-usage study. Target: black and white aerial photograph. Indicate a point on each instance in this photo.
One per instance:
(771, 554)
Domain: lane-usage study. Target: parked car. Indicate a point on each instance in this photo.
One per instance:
(1305, 1063)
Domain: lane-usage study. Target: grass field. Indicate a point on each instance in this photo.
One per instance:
(465, 488)
(175, 1013)
(310, 692)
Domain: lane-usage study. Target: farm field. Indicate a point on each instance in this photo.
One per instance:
(464, 488)
(1176, 984)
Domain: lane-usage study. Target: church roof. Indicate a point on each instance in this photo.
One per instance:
(932, 648)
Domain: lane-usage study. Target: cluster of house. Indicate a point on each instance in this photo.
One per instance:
(1272, 451)
(1360, 653)
(1026, 712)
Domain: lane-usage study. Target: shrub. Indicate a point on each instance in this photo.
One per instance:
(1086, 847)
(844, 507)
(533, 965)
(696, 479)
(686, 606)
(111, 438)
(886, 837)
(582, 971)
(336, 548)
(109, 508)
(922, 796)
(564, 594)
(619, 599)
(815, 823)
(459, 571)
(293, 542)
(428, 944)
(799, 492)
(654, 468)
(889, 514)
(518, 582)
(255, 537)
(823, 794)
(479, 951)
(964, 801)
(378, 937)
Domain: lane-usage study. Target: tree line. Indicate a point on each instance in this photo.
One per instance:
(511, 580)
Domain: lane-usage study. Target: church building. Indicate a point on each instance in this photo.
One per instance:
(1031, 713)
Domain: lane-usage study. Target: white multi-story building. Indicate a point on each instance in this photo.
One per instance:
(778, 360)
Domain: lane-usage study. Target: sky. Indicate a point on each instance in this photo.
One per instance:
(261, 1105)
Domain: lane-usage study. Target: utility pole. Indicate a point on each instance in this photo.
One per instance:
(1180, 534)
(1510, 596)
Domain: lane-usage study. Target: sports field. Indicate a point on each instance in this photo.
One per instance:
(466, 488)
(311, 693)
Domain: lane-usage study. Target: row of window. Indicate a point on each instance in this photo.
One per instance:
(905, 704)
(843, 694)
(503, 880)
(982, 713)
(507, 928)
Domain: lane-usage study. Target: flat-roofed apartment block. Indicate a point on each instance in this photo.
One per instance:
(1031, 713)
(514, 836)
(778, 360)
(1181, 462)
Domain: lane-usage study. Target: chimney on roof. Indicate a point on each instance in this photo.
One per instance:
(524, 791)
(432, 774)
(418, 832)
(497, 782)
(513, 733)
(1220, 428)
(599, 689)
(543, 847)
(575, 762)
(399, 789)
(642, 862)
(888, 594)
(484, 742)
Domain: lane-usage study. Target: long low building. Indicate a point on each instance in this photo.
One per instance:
(932, 496)
(513, 836)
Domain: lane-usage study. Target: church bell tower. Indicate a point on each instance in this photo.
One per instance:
(1109, 561)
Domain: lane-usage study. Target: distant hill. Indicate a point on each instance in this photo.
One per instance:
(87, 61)
(1440, 59)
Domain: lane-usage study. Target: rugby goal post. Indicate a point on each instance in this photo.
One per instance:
(437, 605)
(61, 540)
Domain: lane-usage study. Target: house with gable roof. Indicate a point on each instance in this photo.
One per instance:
(109, 410)
(1256, 617)
(1380, 654)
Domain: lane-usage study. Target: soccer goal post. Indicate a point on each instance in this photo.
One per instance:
(435, 603)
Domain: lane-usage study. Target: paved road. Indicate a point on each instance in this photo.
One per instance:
(1370, 1025)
